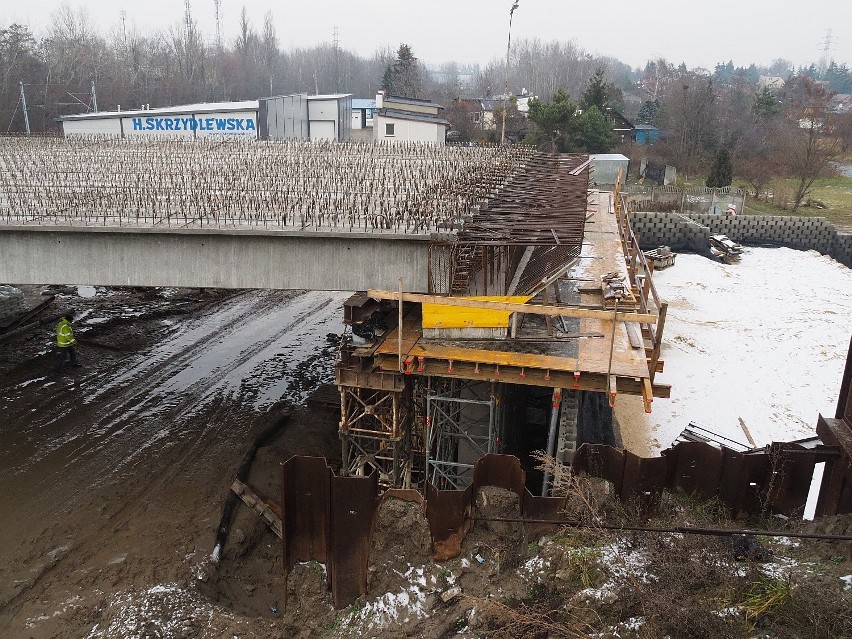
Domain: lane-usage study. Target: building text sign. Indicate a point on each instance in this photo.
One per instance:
(216, 125)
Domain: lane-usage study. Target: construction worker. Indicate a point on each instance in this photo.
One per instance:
(65, 342)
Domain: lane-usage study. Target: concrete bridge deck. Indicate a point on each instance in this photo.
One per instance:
(214, 258)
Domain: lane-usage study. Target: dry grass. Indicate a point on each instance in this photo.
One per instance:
(678, 586)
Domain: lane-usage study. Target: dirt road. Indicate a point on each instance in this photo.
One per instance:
(112, 476)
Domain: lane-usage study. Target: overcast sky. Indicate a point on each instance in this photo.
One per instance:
(700, 33)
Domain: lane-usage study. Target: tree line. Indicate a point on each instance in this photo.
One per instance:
(576, 94)
(181, 65)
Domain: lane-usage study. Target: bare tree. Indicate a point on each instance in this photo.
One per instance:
(808, 155)
(690, 118)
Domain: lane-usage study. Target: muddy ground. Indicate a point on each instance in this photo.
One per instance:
(113, 475)
(113, 479)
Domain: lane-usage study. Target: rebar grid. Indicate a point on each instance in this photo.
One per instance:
(542, 207)
(282, 184)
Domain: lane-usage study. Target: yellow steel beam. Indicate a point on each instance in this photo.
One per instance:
(535, 309)
(444, 316)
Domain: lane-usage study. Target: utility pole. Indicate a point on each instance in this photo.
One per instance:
(94, 97)
(24, 105)
(506, 85)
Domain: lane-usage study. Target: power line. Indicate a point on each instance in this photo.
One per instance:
(686, 530)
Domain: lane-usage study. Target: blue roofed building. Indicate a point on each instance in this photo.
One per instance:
(645, 134)
(363, 110)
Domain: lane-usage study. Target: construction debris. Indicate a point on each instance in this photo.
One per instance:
(661, 257)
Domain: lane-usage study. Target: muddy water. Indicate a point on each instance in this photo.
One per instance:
(96, 465)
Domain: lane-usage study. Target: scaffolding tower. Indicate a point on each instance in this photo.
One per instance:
(457, 429)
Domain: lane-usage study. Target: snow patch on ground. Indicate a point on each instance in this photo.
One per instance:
(624, 563)
(403, 606)
(164, 610)
(764, 340)
(73, 602)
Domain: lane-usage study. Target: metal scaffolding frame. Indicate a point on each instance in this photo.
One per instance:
(378, 431)
(448, 427)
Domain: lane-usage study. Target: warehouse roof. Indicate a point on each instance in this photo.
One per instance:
(204, 107)
(412, 101)
(410, 115)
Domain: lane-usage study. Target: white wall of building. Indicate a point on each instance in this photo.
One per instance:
(323, 130)
(235, 124)
(322, 109)
(226, 124)
(409, 130)
(104, 126)
(362, 117)
(322, 115)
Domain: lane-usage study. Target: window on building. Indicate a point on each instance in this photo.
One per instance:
(389, 129)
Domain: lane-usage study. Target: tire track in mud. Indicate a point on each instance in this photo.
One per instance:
(162, 381)
(117, 432)
(193, 398)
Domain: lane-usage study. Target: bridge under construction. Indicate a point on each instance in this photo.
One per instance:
(504, 303)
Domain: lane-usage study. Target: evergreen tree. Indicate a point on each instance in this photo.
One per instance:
(594, 132)
(648, 112)
(402, 77)
(722, 171)
(597, 92)
(765, 106)
(554, 122)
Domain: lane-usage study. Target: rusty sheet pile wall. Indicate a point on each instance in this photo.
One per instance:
(777, 480)
(329, 518)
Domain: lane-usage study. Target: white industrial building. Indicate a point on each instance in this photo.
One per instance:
(219, 119)
(409, 120)
(315, 117)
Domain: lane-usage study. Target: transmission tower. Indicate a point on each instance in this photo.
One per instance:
(336, 43)
(826, 52)
(123, 15)
(218, 5)
(187, 18)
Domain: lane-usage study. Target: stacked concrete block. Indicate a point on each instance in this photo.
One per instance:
(842, 249)
(695, 234)
(11, 304)
(691, 232)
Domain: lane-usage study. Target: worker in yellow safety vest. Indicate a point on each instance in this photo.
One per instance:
(65, 342)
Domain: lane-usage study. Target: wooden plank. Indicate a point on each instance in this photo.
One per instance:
(647, 394)
(613, 390)
(502, 358)
(537, 309)
(596, 382)
(634, 336)
(250, 499)
(410, 334)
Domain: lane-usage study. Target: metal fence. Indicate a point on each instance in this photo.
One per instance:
(691, 200)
